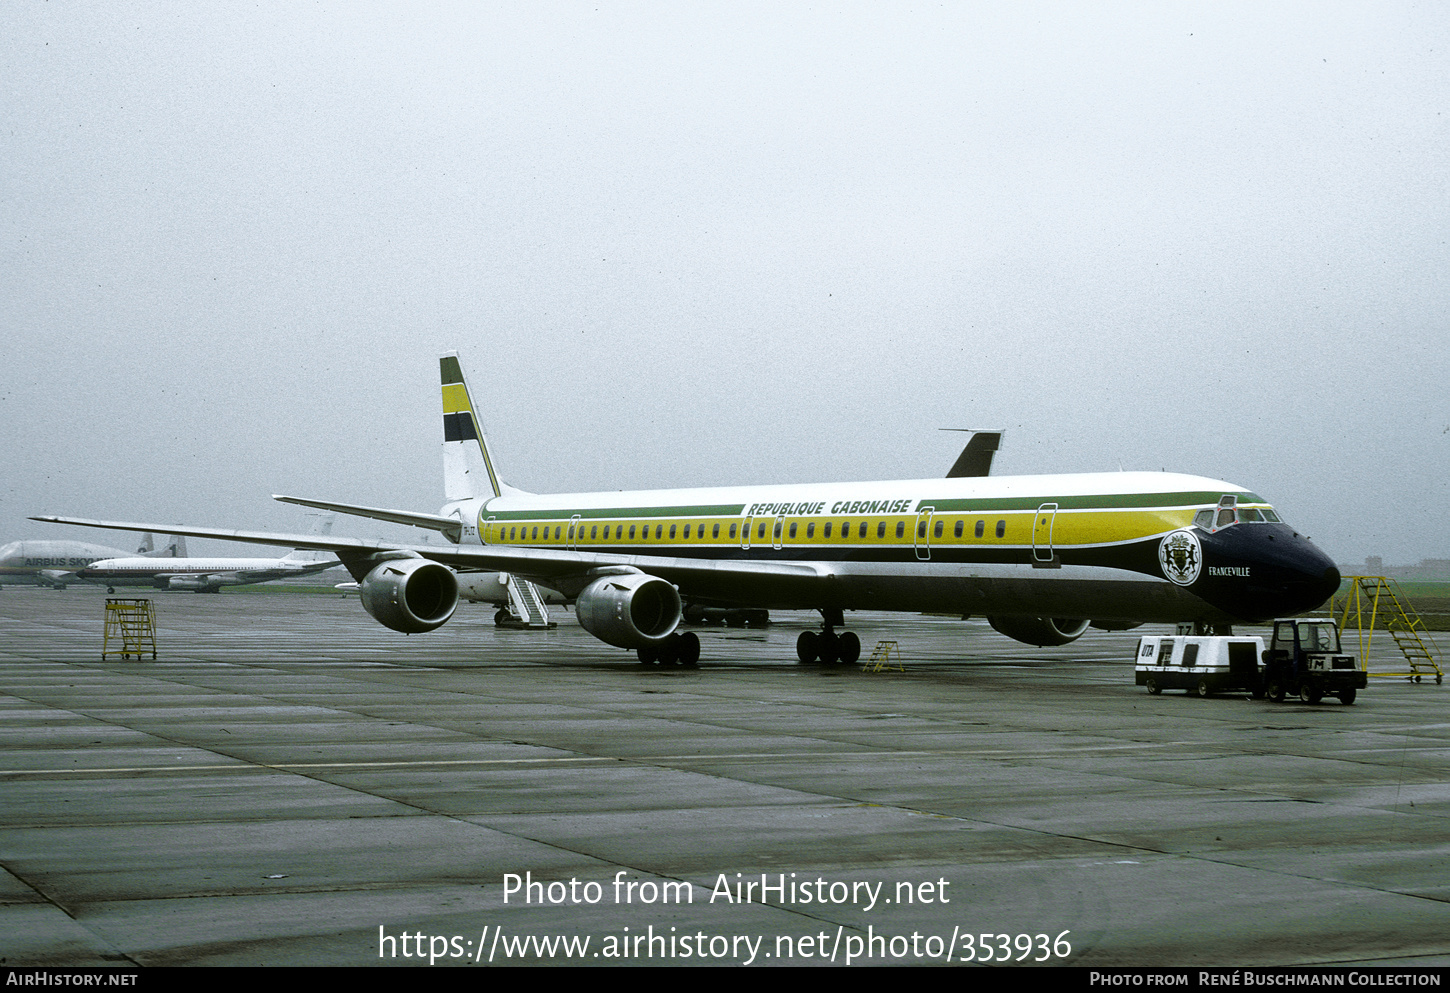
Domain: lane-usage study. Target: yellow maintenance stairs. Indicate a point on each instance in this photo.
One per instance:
(885, 657)
(130, 629)
(1374, 601)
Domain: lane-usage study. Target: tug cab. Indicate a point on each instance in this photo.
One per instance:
(1304, 660)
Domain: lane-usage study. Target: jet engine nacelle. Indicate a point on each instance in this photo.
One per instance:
(629, 610)
(1040, 631)
(411, 595)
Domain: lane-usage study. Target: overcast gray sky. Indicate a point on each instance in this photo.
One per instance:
(697, 244)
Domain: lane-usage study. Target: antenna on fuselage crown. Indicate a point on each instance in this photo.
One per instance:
(468, 468)
(976, 458)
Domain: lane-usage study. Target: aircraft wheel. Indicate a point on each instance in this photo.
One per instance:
(648, 654)
(1347, 696)
(1151, 685)
(1310, 694)
(1275, 692)
(830, 648)
(1203, 689)
(850, 647)
(689, 648)
(500, 618)
(806, 647)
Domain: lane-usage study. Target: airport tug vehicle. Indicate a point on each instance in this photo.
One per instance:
(1304, 660)
(1204, 665)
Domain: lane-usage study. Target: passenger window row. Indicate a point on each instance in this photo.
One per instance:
(617, 532)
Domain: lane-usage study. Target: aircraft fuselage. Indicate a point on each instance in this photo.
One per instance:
(1106, 546)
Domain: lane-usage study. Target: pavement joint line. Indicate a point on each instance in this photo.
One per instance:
(242, 764)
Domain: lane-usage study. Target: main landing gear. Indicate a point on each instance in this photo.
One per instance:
(826, 645)
(678, 649)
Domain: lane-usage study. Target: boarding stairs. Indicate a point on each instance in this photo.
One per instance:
(1378, 600)
(527, 603)
(130, 627)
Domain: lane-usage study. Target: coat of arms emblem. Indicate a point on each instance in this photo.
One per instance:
(1180, 557)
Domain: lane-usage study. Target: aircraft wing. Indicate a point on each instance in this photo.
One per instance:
(727, 580)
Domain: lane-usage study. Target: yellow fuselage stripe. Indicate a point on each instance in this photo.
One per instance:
(1069, 528)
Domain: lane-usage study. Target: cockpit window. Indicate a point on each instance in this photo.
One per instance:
(1229, 512)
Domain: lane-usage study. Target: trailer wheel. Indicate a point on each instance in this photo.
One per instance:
(1152, 686)
(1346, 696)
(1275, 692)
(1203, 689)
(1310, 694)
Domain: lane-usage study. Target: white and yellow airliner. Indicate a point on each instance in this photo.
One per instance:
(1042, 557)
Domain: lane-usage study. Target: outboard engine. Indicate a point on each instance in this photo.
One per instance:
(411, 594)
(629, 610)
(1040, 631)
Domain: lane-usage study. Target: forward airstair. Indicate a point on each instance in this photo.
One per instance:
(1378, 601)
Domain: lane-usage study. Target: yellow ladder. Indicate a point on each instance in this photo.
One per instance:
(1378, 598)
(131, 624)
(881, 656)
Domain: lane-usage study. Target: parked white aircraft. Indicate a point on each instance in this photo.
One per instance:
(1042, 557)
(55, 563)
(202, 575)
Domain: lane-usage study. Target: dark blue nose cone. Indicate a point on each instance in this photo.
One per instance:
(1257, 572)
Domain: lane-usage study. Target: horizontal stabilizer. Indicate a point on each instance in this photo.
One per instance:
(449, 527)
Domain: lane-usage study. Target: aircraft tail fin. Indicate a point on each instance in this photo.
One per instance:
(976, 458)
(468, 466)
(321, 527)
(175, 548)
